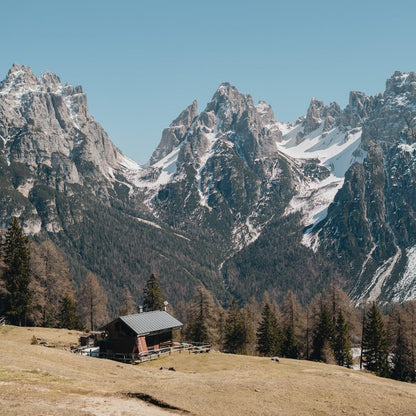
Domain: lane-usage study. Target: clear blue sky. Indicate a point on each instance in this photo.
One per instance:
(142, 62)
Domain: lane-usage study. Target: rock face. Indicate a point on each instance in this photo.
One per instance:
(41, 117)
(175, 133)
(223, 172)
(231, 198)
(371, 223)
(64, 178)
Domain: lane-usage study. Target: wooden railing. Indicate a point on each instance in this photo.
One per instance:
(151, 354)
(154, 354)
(2, 320)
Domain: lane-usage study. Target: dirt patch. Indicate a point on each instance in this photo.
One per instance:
(152, 400)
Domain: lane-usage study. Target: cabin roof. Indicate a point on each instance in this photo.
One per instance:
(148, 322)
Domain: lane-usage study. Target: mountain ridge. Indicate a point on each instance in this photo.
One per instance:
(334, 187)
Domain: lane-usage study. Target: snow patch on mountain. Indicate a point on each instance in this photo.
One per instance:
(151, 223)
(405, 288)
(382, 273)
(203, 196)
(336, 150)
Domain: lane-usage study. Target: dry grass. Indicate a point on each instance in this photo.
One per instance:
(51, 381)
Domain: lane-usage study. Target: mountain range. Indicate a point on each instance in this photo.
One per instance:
(231, 198)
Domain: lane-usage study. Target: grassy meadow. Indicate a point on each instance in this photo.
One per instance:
(38, 380)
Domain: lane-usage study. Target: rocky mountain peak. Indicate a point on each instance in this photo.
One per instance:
(400, 83)
(359, 108)
(49, 79)
(46, 123)
(173, 135)
(314, 115)
(18, 78)
(15, 67)
(187, 116)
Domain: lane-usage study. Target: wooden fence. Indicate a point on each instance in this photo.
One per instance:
(151, 354)
(2, 320)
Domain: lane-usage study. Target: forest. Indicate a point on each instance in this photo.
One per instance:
(36, 289)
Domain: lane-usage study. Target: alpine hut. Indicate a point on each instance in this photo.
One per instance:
(139, 333)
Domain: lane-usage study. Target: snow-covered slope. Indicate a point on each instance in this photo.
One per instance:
(336, 150)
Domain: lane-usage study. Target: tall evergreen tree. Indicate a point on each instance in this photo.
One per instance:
(293, 333)
(16, 275)
(268, 333)
(374, 343)
(402, 363)
(342, 345)
(323, 337)
(235, 331)
(202, 321)
(67, 316)
(153, 295)
(289, 346)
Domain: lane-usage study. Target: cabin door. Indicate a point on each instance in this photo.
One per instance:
(141, 344)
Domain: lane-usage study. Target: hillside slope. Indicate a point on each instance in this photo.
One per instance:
(52, 381)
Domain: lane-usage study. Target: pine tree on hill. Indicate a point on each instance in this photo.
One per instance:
(202, 318)
(16, 275)
(374, 343)
(323, 337)
(235, 331)
(289, 346)
(268, 333)
(342, 345)
(152, 295)
(402, 363)
(67, 316)
(293, 326)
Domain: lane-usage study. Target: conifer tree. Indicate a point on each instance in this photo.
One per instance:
(289, 346)
(252, 315)
(342, 345)
(268, 333)
(293, 332)
(67, 316)
(153, 295)
(374, 343)
(323, 337)
(235, 331)
(402, 363)
(3, 289)
(16, 275)
(202, 321)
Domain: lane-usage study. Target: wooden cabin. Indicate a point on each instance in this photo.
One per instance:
(138, 333)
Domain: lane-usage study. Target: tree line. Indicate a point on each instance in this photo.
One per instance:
(327, 330)
(36, 289)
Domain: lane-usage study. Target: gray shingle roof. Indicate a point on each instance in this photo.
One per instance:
(154, 321)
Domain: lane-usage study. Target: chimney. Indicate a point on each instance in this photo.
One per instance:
(140, 308)
(166, 303)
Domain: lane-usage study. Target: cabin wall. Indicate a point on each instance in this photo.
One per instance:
(120, 338)
(154, 341)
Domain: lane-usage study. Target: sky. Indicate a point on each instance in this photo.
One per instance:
(142, 62)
